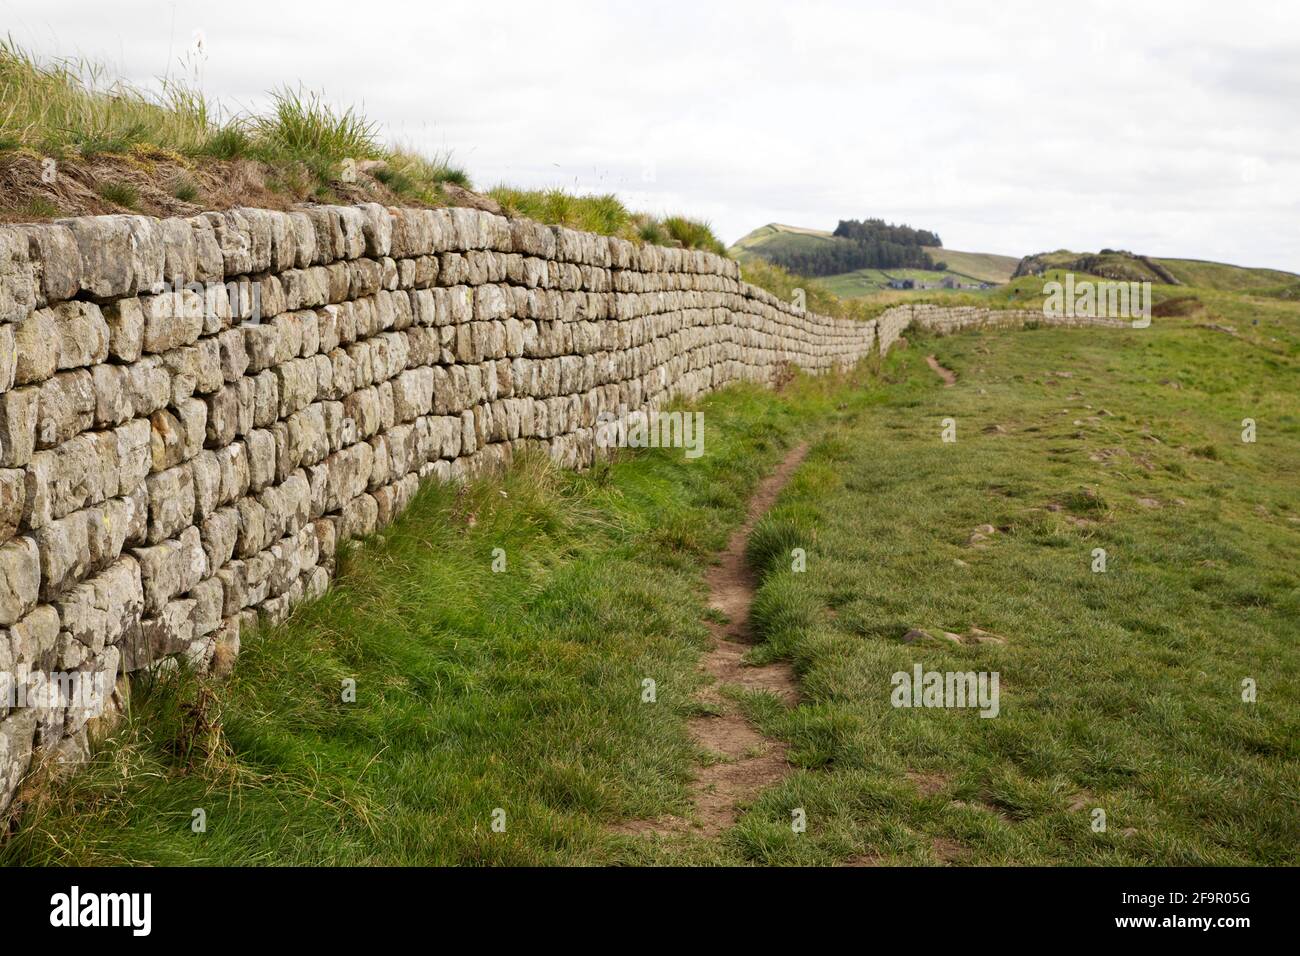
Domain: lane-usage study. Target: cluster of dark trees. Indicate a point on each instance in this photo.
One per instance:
(859, 244)
(877, 230)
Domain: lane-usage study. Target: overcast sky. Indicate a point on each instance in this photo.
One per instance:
(1167, 128)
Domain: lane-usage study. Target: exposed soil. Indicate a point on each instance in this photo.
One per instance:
(948, 376)
(161, 183)
(745, 761)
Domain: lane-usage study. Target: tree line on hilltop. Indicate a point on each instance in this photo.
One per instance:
(859, 244)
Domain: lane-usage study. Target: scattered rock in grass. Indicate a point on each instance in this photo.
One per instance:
(994, 430)
(1148, 502)
(981, 636)
(960, 563)
(1052, 506)
(1080, 802)
(950, 636)
(1128, 832)
(975, 539)
(917, 634)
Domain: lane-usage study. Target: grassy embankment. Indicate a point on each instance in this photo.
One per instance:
(1120, 691)
(175, 151)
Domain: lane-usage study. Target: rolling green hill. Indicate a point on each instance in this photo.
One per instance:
(1127, 266)
(1226, 278)
(965, 267)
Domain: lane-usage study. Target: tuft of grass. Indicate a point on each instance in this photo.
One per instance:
(419, 176)
(693, 234)
(184, 188)
(119, 193)
(228, 143)
(605, 215)
(73, 105)
(302, 126)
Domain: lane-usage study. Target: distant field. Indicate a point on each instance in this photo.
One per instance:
(984, 266)
(869, 281)
(965, 267)
(1126, 266)
(1228, 278)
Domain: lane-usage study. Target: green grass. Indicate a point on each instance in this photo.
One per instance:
(605, 215)
(981, 266)
(1126, 266)
(521, 690)
(1121, 690)
(73, 108)
(475, 690)
(965, 267)
(1226, 278)
(121, 194)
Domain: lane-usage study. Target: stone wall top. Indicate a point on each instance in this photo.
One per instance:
(107, 257)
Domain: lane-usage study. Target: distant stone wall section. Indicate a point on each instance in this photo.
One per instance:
(945, 320)
(194, 412)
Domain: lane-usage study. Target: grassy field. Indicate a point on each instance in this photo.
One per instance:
(1119, 691)
(965, 267)
(982, 266)
(1217, 275)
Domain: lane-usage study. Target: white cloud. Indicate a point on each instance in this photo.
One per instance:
(1167, 128)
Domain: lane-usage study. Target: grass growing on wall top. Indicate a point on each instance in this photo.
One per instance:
(72, 108)
(114, 140)
(606, 215)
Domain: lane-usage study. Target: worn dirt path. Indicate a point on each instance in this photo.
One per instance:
(745, 761)
(948, 376)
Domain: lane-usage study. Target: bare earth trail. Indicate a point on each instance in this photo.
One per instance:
(948, 376)
(745, 761)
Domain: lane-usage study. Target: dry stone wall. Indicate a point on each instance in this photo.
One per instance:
(944, 320)
(195, 412)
